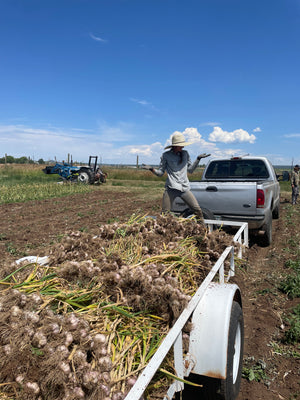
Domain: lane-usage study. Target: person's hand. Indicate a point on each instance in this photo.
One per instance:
(203, 155)
(148, 167)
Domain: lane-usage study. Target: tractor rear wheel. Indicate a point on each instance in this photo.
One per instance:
(86, 176)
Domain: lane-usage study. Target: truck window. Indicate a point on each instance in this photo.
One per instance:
(238, 169)
(218, 169)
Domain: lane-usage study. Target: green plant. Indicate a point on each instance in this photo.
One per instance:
(293, 242)
(294, 396)
(267, 291)
(294, 264)
(36, 351)
(11, 249)
(291, 286)
(121, 232)
(292, 335)
(254, 370)
(112, 220)
(283, 350)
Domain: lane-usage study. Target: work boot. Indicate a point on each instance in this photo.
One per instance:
(199, 217)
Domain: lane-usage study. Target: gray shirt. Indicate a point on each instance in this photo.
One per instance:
(177, 169)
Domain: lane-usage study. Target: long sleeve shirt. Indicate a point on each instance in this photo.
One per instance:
(295, 178)
(177, 166)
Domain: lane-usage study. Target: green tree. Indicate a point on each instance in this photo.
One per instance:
(10, 159)
(22, 160)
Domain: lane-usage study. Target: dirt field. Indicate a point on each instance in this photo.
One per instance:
(31, 228)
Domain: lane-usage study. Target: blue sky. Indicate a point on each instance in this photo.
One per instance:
(116, 78)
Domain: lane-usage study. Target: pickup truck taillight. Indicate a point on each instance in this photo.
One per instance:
(260, 198)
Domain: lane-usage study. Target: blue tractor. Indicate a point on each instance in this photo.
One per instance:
(90, 173)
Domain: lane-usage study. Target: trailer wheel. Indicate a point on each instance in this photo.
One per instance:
(86, 176)
(231, 385)
(222, 389)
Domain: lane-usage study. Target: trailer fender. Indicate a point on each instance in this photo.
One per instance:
(209, 334)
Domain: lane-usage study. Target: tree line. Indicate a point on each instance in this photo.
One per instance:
(20, 160)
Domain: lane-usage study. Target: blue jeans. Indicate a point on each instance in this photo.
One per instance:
(295, 193)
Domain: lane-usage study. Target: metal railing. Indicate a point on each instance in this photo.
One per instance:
(174, 336)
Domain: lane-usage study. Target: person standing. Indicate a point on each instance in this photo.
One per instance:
(295, 184)
(177, 163)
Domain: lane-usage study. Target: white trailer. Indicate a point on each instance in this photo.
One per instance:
(215, 354)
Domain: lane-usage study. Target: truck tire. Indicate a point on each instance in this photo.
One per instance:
(275, 213)
(266, 239)
(86, 176)
(222, 389)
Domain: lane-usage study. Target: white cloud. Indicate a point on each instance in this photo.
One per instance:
(144, 103)
(257, 129)
(239, 135)
(292, 135)
(210, 124)
(110, 143)
(113, 144)
(191, 135)
(19, 140)
(198, 144)
(153, 149)
(97, 38)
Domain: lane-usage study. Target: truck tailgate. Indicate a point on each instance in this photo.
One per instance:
(226, 198)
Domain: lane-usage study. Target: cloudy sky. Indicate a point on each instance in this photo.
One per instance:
(116, 78)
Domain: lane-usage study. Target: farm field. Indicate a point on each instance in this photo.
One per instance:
(271, 364)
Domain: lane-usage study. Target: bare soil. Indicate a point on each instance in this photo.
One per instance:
(32, 228)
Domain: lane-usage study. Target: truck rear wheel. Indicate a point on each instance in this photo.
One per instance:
(276, 212)
(267, 236)
(222, 389)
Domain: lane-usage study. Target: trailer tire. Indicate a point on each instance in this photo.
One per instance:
(86, 176)
(231, 385)
(222, 389)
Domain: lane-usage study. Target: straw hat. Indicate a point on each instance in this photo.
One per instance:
(178, 140)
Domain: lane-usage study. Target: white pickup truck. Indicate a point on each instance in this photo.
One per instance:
(242, 189)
